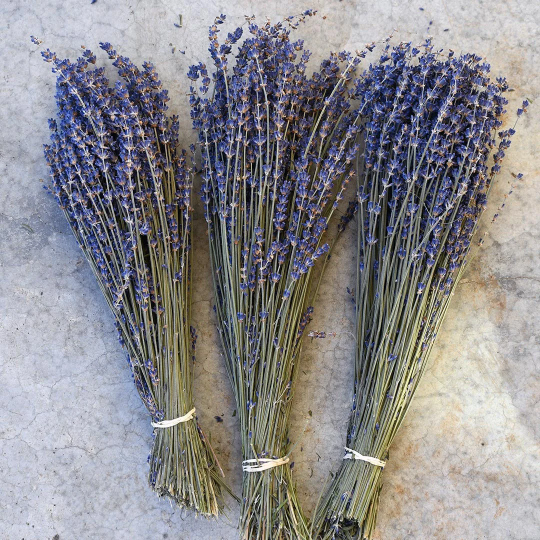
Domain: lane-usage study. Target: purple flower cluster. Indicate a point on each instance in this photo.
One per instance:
(125, 192)
(432, 145)
(431, 130)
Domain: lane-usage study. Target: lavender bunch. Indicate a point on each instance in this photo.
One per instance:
(277, 154)
(125, 190)
(424, 177)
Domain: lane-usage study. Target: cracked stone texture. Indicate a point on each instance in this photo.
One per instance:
(73, 434)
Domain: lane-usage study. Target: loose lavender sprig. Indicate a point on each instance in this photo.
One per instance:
(277, 155)
(431, 127)
(125, 190)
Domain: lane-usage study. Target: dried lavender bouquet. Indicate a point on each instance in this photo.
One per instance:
(277, 154)
(125, 190)
(431, 126)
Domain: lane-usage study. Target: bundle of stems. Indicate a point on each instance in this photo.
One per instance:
(431, 122)
(125, 189)
(277, 154)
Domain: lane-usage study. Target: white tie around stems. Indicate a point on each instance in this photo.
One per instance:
(171, 423)
(263, 464)
(353, 454)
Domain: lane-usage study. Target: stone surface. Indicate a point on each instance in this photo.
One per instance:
(74, 436)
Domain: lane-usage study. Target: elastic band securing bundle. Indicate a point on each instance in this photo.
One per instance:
(263, 464)
(353, 454)
(170, 423)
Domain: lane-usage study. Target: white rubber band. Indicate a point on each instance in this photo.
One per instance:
(263, 464)
(353, 454)
(171, 423)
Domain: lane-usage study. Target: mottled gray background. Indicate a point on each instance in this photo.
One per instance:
(74, 436)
